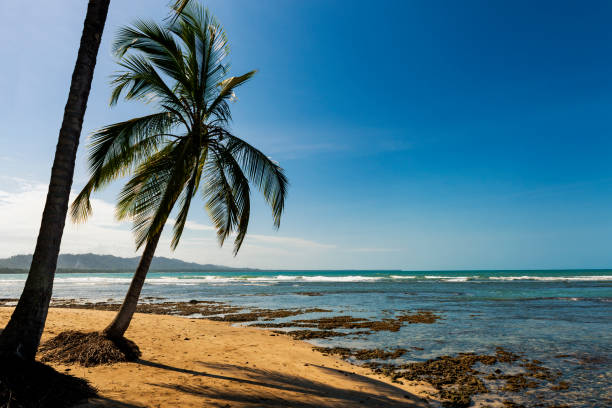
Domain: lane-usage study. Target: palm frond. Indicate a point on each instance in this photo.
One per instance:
(156, 43)
(219, 197)
(142, 192)
(266, 174)
(141, 81)
(182, 166)
(179, 6)
(187, 195)
(180, 66)
(240, 191)
(218, 107)
(115, 149)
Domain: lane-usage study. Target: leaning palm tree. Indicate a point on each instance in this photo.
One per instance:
(183, 148)
(21, 336)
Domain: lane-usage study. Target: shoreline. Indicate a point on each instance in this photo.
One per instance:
(199, 362)
(499, 378)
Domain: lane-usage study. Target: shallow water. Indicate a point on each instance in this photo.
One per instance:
(543, 314)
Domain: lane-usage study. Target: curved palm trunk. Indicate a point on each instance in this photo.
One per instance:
(123, 318)
(22, 334)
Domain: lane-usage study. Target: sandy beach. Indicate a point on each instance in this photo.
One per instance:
(201, 363)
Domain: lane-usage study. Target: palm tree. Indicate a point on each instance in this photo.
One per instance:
(184, 147)
(21, 336)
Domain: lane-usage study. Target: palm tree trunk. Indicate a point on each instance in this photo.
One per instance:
(123, 318)
(21, 336)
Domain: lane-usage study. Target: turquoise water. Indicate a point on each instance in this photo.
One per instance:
(543, 314)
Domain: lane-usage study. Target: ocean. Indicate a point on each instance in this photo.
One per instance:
(561, 317)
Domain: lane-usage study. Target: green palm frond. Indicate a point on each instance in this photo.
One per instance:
(179, 5)
(181, 67)
(185, 203)
(156, 43)
(115, 149)
(240, 191)
(219, 108)
(142, 191)
(262, 171)
(219, 198)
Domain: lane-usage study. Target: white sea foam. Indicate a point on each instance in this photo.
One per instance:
(450, 278)
(554, 278)
(191, 280)
(356, 278)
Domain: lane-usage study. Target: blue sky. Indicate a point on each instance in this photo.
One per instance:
(416, 134)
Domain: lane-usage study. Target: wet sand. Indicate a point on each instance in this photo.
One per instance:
(202, 363)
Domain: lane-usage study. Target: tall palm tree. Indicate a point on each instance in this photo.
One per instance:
(184, 147)
(22, 334)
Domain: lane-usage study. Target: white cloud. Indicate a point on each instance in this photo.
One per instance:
(289, 241)
(195, 226)
(372, 250)
(21, 207)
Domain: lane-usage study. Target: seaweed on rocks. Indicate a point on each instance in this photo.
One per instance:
(266, 314)
(563, 385)
(388, 324)
(204, 308)
(457, 380)
(421, 316)
(362, 354)
(512, 404)
(518, 382)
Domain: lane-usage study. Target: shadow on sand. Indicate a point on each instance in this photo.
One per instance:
(102, 402)
(296, 391)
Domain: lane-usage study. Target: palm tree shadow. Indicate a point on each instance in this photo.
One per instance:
(299, 390)
(102, 402)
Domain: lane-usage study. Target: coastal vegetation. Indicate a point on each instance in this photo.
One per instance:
(184, 148)
(21, 336)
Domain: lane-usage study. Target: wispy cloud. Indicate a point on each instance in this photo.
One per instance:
(294, 151)
(374, 250)
(21, 209)
(289, 241)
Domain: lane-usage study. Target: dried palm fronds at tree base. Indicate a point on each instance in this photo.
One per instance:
(36, 385)
(88, 349)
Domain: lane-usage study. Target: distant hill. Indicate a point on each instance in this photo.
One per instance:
(108, 262)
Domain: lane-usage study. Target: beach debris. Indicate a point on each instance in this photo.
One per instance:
(33, 384)
(88, 349)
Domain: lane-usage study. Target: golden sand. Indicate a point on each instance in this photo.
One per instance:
(201, 363)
